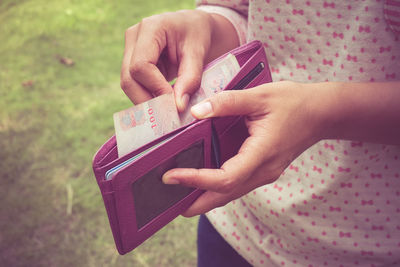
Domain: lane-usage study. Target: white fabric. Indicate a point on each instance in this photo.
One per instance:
(337, 204)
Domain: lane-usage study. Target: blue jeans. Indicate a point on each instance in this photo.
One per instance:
(213, 250)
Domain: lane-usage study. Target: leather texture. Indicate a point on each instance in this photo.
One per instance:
(230, 132)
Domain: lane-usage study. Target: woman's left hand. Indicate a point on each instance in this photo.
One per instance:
(282, 122)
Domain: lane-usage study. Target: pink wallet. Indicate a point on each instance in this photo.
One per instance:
(137, 202)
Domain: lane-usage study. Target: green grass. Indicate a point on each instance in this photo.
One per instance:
(51, 211)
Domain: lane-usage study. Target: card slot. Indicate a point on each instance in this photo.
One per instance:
(260, 79)
(249, 72)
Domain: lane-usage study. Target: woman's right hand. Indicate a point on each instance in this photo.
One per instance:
(172, 45)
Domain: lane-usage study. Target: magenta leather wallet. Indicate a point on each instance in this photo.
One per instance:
(138, 204)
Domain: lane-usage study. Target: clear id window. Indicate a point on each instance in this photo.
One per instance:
(152, 197)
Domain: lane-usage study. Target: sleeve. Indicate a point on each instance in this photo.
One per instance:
(235, 11)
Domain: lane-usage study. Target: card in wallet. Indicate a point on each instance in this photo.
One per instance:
(137, 202)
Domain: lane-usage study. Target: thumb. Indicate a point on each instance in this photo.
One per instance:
(189, 76)
(227, 103)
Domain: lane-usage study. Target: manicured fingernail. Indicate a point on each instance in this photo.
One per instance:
(184, 101)
(202, 109)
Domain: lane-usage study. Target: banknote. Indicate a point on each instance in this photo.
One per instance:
(216, 78)
(145, 122)
(213, 81)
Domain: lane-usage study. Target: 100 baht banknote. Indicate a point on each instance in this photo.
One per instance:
(213, 81)
(147, 121)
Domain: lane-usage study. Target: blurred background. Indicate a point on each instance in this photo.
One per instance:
(59, 86)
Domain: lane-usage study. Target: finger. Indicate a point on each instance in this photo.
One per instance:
(189, 74)
(150, 43)
(206, 202)
(233, 172)
(229, 103)
(210, 200)
(136, 93)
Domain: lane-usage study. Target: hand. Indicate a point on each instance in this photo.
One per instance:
(163, 47)
(282, 124)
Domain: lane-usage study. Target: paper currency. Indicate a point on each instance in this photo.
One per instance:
(213, 81)
(145, 122)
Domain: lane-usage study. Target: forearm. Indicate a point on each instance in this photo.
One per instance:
(367, 112)
(224, 37)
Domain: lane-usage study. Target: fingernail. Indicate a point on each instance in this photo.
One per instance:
(184, 101)
(167, 180)
(202, 109)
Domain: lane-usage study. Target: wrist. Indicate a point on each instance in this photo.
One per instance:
(358, 111)
(324, 107)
